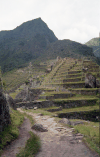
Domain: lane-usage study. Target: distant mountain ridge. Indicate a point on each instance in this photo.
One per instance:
(95, 44)
(68, 48)
(33, 40)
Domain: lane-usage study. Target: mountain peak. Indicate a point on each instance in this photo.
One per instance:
(26, 42)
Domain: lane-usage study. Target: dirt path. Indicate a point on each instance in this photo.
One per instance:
(13, 148)
(59, 141)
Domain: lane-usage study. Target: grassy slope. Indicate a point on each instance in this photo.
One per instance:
(11, 132)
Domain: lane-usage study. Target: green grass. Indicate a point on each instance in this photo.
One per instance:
(91, 134)
(87, 89)
(54, 92)
(90, 130)
(76, 98)
(40, 111)
(32, 145)
(78, 109)
(11, 132)
(13, 94)
(31, 148)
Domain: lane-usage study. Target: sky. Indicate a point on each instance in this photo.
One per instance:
(77, 20)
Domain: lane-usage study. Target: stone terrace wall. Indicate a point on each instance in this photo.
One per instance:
(39, 104)
(84, 115)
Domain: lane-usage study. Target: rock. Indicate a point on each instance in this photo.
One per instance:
(97, 83)
(39, 127)
(84, 69)
(30, 107)
(10, 101)
(40, 114)
(35, 108)
(23, 107)
(76, 123)
(55, 109)
(65, 121)
(90, 81)
(4, 112)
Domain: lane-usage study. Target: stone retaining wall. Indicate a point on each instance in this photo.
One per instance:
(39, 104)
(45, 104)
(86, 92)
(73, 76)
(84, 115)
(72, 80)
(75, 103)
(74, 72)
(59, 96)
(74, 85)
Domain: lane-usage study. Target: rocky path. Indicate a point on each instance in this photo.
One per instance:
(59, 141)
(12, 149)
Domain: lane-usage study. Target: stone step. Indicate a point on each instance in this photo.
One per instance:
(74, 72)
(85, 91)
(72, 80)
(73, 75)
(94, 70)
(75, 102)
(62, 73)
(84, 115)
(74, 85)
(57, 96)
(69, 80)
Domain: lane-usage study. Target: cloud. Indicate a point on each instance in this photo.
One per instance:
(73, 19)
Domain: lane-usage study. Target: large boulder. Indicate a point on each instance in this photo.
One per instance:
(10, 101)
(97, 83)
(39, 127)
(27, 95)
(90, 81)
(4, 112)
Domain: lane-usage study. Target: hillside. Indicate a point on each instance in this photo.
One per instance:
(68, 48)
(34, 41)
(24, 43)
(95, 44)
(60, 98)
(62, 94)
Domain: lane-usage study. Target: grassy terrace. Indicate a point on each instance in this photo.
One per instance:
(52, 73)
(77, 98)
(76, 109)
(52, 93)
(87, 89)
(65, 79)
(66, 83)
(74, 75)
(13, 79)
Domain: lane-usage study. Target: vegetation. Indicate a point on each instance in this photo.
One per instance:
(11, 132)
(58, 91)
(31, 148)
(95, 44)
(90, 130)
(23, 44)
(32, 145)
